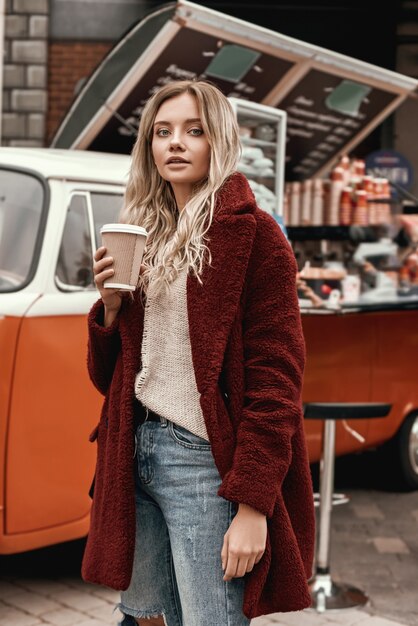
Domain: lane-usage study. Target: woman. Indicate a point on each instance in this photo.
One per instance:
(212, 523)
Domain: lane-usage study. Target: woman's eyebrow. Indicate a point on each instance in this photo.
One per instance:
(189, 121)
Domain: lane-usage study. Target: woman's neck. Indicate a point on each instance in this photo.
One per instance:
(182, 194)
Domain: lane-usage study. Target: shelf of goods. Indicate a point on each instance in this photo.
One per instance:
(263, 138)
(348, 197)
(354, 244)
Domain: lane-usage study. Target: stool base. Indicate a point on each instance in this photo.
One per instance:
(337, 499)
(327, 595)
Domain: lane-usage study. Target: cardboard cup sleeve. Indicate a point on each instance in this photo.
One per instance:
(126, 244)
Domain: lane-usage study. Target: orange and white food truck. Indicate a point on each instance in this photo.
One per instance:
(54, 201)
(52, 206)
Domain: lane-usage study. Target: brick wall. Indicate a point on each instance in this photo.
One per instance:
(40, 76)
(68, 63)
(24, 73)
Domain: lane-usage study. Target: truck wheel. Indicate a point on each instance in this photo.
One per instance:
(403, 450)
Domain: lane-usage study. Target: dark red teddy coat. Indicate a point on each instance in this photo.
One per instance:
(248, 356)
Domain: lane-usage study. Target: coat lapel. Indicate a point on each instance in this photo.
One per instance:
(213, 305)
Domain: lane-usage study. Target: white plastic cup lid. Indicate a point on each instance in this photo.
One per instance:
(123, 228)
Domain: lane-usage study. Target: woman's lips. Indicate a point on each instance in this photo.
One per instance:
(178, 161)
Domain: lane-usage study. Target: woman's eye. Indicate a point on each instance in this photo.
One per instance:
(196, 132)
(162, 132)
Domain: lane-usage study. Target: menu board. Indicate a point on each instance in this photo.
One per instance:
(329, 107)
(324, 113)
(239, 71)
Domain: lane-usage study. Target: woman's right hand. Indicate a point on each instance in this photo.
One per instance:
(102, 270)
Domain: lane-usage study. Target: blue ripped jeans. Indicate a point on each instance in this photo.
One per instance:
(181, 522)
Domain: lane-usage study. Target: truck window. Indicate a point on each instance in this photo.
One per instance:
(106, 208)
(74, 267)
(21, 203)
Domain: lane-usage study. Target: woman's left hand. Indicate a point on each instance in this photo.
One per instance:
(244, 542)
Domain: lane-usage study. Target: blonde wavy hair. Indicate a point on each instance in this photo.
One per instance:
(177, 239)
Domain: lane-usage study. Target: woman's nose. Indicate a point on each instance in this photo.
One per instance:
(176, 141)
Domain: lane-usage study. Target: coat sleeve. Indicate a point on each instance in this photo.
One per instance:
(103, 347)
(274, 360)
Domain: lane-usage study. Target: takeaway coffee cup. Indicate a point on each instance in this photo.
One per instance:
(125, 243)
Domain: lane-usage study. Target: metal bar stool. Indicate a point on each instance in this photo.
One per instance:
(325, 593)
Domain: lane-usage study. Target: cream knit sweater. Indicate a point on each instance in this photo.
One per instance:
(166, 383)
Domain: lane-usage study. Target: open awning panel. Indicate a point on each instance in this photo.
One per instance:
(195, 51)
(321, 124)
(332, 101)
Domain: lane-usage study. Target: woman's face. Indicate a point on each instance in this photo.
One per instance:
(179, 146)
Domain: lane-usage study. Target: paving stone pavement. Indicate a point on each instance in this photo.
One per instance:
(374, 547)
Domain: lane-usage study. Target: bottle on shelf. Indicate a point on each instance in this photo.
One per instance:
(337, 184)
(306, 202)
(368, 187)
(286, 207)
(294, 217)
(317, 202)
(326, 186)
(379, 196)
(359, 168)
(346, 207)
(344, 163)
(360, 216)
